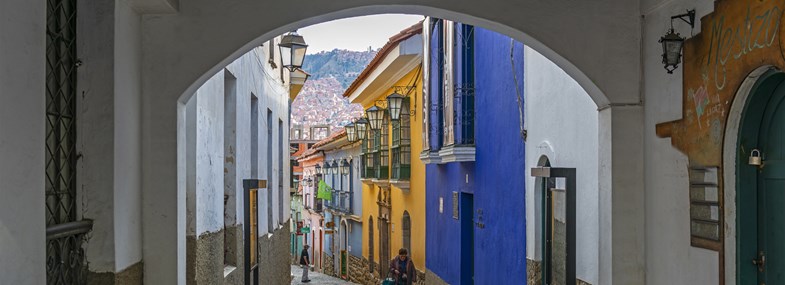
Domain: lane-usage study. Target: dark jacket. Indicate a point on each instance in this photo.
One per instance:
(304, 258)
(411, 272)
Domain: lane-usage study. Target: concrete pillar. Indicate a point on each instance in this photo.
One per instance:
(22, 131)
(621, 195)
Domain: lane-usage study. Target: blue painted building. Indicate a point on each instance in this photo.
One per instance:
(341, 172)
(475, 174)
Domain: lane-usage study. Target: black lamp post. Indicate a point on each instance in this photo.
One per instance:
(375, 117)
(351, 132)
(345, 166)
(395, 102)
(672, 42)
(361, 126)
(293, 49)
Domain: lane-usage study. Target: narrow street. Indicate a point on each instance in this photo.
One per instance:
(316, 277)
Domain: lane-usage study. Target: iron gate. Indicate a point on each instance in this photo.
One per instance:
(65, 262)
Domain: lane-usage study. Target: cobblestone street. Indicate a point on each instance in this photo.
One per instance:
(316, 278)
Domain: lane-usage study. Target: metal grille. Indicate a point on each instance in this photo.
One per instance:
(65, 256)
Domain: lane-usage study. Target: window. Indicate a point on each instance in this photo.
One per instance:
(254, 137)
(381, 151)
(406, 227)
(230, 167)
(401, 145)
(269, 194)
(463, 104)
(367, 156)
(447, 86)
(281, 151)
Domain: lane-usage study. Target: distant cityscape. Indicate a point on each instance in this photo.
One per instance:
(321, 102)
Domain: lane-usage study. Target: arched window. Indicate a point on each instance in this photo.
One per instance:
(406, 224)
(370, 242)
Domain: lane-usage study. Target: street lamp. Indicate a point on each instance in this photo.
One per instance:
(672, 42)
(345, 166)
(318, 169)
(361, 126)
(334, 167)
(395, 101)
(375, 117)
(351, 132)
(293, 49)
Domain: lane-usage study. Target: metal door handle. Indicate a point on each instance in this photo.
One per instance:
(760, 261)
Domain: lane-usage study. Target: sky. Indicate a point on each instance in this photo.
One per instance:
(357, 33)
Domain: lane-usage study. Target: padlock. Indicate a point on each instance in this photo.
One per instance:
(755, 158)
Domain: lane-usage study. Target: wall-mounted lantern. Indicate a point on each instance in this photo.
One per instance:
(361, 126)
(318, 169)
(351, 132)
(398, 102)
(672, 42)
(293, 49)
(334, 168)
(345, 166)
(394, 101)
(375, 117)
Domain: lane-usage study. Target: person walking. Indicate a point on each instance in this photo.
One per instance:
(305, 262)
(402, 268)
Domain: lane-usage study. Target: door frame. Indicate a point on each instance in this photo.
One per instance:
(742, 130)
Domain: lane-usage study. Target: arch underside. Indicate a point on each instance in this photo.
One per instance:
(182, 50)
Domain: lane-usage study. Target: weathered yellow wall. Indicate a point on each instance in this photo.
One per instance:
(414, 200)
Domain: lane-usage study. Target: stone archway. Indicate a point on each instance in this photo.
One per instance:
(181, 50)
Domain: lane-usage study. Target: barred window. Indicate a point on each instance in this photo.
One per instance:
(383, 150)
(401, 147)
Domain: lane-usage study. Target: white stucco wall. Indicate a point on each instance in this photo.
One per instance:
(128, 137)
(205, 185)
(109, 133)
(22, 131)
(669, 257)
(562, 124)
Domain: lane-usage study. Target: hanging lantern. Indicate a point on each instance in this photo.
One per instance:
(672, 44)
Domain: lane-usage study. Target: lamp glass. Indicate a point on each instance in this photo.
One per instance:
(345, 167)
(672, 44)
(395, 101)
(375, 117)
(361, 127)
(351, 132)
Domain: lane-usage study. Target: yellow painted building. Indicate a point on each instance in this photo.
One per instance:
(393, 176)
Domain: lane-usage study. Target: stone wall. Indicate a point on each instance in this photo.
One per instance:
(534, 273)
(204, 258)
(129, 276)
(235, 254)
(432, 279)
(274, 256)
(329, 266)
